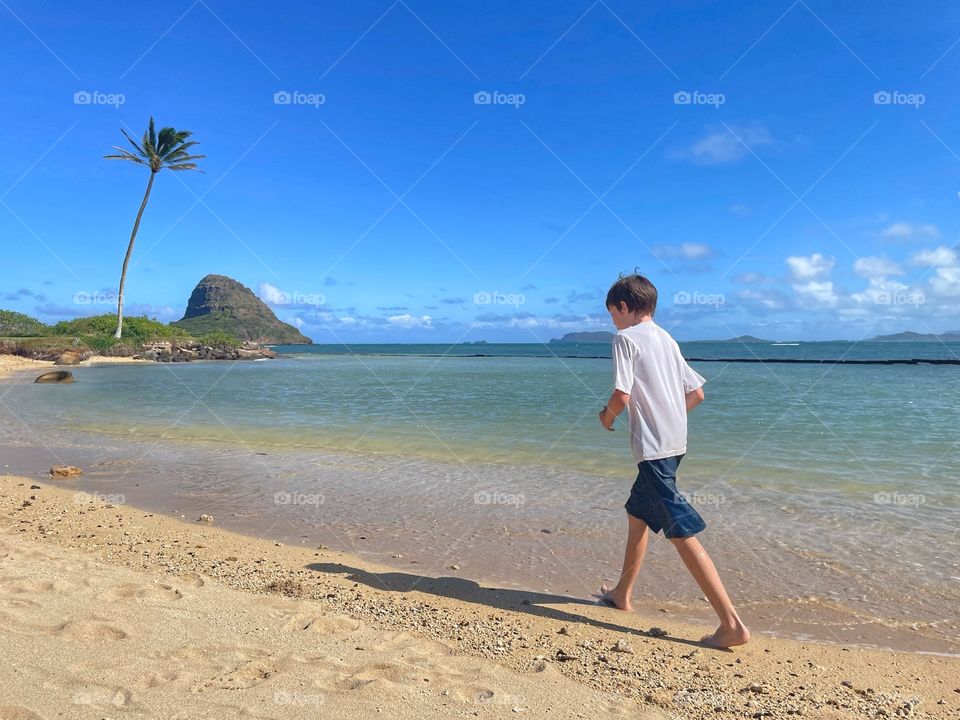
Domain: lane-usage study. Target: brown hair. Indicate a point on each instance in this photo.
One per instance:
(636, 291)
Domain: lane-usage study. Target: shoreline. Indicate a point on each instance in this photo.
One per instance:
(11, 364)
(526, 632)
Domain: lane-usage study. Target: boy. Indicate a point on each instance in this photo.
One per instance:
(654, 382)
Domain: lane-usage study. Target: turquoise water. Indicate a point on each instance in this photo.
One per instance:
(833, 490)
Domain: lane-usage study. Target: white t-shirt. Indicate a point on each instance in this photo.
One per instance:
(648, 365)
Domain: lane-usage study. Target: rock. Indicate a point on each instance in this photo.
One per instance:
(35, 487)
(563, 631)
(205, 518)
(65, 471)
(564, 656)
(656, 632)
(758, 688)
(220, 303)
(622, 646)
(69, 357)
(55, 376)
(454, 567)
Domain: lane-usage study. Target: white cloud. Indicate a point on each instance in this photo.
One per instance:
(910, 231)
(938, 257)
(728, 145)
(684, 251)
(809, 267)
(876, 267)
(946, 283)
(409, 321)
(752, 278)
(271, 294)
(766, 299)
(822, 293)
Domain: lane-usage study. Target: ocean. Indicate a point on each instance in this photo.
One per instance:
(830, 490)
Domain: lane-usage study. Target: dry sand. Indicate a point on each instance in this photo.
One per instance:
(110, 611)
(14, 363)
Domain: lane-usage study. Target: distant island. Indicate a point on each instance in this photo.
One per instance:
(585, 337)
(909, 336)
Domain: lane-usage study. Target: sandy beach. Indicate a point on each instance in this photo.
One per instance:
(108, 610)
(10, 364)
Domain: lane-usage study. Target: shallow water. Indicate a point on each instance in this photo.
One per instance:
(831, 493)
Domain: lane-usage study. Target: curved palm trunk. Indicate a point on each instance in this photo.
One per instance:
(126, 258)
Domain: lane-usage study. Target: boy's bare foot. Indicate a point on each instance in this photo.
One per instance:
(610, 597)
(725, 638)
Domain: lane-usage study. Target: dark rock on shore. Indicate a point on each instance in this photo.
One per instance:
(192, 350)
(55, 376)
(70, 357)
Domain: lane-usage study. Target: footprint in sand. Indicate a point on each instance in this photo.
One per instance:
(87, 631)
(138, 591)
(246, 676)
(15, 712)
(99, 695)
(322, 624)
(28, 586)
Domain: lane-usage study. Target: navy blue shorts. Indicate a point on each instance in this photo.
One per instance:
(655, 499)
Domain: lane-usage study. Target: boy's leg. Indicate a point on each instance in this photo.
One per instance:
(732, 631)
(619, 595)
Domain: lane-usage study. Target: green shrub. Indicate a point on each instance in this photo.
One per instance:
(14, 324)
(97, 329)
(221, 340)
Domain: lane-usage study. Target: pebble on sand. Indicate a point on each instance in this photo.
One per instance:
(65, 471)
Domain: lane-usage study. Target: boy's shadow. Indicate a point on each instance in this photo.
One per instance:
(455, 588)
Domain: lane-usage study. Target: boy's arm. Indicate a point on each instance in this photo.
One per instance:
(694, 398)
(615, 405)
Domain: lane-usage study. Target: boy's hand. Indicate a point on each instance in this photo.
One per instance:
(607, 418)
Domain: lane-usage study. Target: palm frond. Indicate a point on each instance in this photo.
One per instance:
(176, 149)
(185, 166)
(178, 158)
(133, 142)
(152, 135)
(126, 155)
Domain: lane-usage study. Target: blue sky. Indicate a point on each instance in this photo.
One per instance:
(463, 171)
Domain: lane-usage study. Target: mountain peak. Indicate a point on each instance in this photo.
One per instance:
(221, 303)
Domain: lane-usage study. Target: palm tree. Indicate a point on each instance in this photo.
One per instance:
(168, 150)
